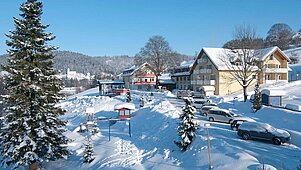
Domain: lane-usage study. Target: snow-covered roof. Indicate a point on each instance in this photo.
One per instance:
(133, 69)
(273, 92)
(220, 56)
(110, 81)
(186, 64)
(185, 73)
(129, 106)
(207, 88)
(90, 110)
(165, 79)
(293, 52)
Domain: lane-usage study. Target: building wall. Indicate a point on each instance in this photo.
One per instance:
(142, 79)
(227, 84)
(204, 74)
(274, 69)
(182, 82)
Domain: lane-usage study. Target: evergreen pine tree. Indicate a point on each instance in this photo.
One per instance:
(257, 104)
(89, 153)
(188, 126)
(31, 130)
(128, 97)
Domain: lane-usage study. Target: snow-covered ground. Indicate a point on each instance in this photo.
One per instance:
(153, 128)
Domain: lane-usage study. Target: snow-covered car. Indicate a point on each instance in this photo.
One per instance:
(205, 109)
(183, 93)
(220, 115)
(237, 121)
(210, 104)
(198, 103)
(264, 131)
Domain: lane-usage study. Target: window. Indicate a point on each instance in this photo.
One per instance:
(205, 77)
(272, 57)
(201, 67)
(188, 78)
(209, 66)
(212, 77)
(145, 80)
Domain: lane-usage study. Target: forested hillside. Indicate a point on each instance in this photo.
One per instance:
(83, 63)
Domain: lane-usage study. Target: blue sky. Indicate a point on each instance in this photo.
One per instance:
(116, 27)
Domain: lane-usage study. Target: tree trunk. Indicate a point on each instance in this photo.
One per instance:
(245, 94)
(33, 166)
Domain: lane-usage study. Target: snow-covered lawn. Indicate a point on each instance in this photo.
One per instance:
(151, 145)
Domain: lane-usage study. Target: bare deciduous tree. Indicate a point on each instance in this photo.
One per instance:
(242, 63)
(156, 52)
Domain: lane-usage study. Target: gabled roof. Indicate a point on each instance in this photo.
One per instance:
(134, 68)
(219, 56)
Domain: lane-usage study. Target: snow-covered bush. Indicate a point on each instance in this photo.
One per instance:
(257, 103)
(88, 153)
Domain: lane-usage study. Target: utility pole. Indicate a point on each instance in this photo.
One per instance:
(207, 125)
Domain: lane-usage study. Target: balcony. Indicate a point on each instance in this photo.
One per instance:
(145, 83)
(205, 71)
(276, 70)
(203, 82)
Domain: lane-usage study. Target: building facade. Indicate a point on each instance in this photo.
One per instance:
(209, 70)
(139, 77)
(182, 75)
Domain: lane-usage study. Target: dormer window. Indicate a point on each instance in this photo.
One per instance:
(272, 57)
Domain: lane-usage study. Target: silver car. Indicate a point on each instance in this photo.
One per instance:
(221, 115)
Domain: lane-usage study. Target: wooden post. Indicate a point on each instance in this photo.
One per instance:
(33, 166)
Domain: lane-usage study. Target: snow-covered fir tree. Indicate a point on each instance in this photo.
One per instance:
(257, 104)
(128, 97)
(188, 126)
(88, 153)
(31, 130)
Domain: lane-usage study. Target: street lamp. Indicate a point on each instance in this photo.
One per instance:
(207, 125)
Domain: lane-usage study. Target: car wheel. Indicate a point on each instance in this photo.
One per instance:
(277, 141)
(246, 136)
(205, 114)
(230, 121)
(211, 119)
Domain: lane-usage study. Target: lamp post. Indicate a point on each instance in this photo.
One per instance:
(207, 125)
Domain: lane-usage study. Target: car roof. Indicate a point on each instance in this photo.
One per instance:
(257, 124)
(210, 107)
(219, 109)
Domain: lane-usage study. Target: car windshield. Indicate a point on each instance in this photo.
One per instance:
(232, 114)
(269, 128)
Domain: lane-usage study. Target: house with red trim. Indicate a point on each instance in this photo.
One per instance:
(139, 77)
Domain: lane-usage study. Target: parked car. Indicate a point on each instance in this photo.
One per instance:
(198, 95)
(205, 109)
(249, 130)
(220, 115)
(183, 93)
(209, 104)
(237, 121)
(198, 103)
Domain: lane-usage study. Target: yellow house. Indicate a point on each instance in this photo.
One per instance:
(210, 70)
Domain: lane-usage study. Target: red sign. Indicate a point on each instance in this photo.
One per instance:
(141, 83)
(145, 75)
